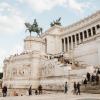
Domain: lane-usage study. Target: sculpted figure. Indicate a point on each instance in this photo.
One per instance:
(56, 22)
(34, 28)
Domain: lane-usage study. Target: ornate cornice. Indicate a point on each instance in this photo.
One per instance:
(76, 26)
(82, 23)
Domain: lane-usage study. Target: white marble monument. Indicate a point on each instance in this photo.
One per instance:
(60, 54)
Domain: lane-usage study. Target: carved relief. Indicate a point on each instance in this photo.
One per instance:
(14, 72)
(48, 69)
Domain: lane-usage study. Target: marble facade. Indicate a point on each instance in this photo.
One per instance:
(39, 64)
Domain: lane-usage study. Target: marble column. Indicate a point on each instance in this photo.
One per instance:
(72, 43)
(79, 38)
(64, 46)
(83, 36)
(68, 43)
(75, 40)
(91, 32)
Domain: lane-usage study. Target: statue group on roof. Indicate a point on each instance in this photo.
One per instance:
(35, 27)
(56, 22)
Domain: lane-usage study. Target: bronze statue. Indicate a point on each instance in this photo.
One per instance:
(57, 22)
(33, 28)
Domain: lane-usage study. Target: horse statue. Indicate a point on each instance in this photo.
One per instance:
(33, 28)
(56, 22)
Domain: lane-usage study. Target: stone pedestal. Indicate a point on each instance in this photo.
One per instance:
(34, 44)
(23, 70)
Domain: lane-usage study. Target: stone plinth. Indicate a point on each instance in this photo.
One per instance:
(34, 44)
(23, 70)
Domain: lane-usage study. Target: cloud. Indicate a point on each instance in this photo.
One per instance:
(11, 21)
(45, 5)
(77, 6)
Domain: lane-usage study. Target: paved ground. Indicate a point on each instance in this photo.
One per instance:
(57, 96)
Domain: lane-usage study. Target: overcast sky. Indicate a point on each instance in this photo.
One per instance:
(14, 13)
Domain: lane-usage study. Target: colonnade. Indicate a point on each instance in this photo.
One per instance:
(69, 42)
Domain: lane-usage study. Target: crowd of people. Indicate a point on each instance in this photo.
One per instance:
(76, 88)
(37, 91)
(92, 79)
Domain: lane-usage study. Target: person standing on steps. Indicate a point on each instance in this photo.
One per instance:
(88, 76)
(75, 87)
(30, 90)
(40, 89)
(4, 91)
(78, 88)
(65, 87)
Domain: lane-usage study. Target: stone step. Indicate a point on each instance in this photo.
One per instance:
(91, 88)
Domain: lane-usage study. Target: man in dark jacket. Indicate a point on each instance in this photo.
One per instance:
(40, 89)
(66, 87)
(30, 91)
(75, 87)
(78, 88)
(4, 91)
(97, 79)
(85, 82)
(88, 76)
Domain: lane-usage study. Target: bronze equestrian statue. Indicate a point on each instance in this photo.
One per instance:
(33, 28)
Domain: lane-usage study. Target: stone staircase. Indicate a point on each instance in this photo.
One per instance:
(94, 89)
(0, 92)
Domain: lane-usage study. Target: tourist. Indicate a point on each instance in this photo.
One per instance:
(85, 82)
(98, 71)
(75, 87)
(65, 87)
(40, 89)
(30, 91)
(78, 88)
(88, 76)
(97, 79)
(92, 79)
(36, 92)
(4, 91)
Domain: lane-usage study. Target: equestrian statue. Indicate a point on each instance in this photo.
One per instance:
(33, 28)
